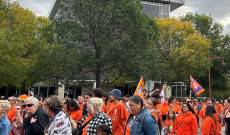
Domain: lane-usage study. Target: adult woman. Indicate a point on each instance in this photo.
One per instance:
(74, 111)
(4, 122)
(172, 104)
(140, 121)
(95, 117)
(151, 106)
(186, 123)
(227, 118)
(208, 126)
(60, 122)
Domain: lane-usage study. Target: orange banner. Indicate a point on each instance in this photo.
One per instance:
(140, 90)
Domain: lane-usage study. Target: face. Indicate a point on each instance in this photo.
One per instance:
(225, 103)
(30, 108)
(88, 109)
(170, 115)
(184, 108)
(12, 101)
(126, 99)
(80, 99)
(174, 101)
(135, 108)
(19, 103)
(87, 98)
(112, 98)
(2, 111)
(65, 107)
(209, 103)
(150, 104)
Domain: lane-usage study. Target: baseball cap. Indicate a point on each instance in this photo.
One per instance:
(116, 92)
(23, 97)
(156, 95)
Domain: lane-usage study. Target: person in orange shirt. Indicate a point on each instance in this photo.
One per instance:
(117, 113)
(201, 115)
(170, 122)
(172, 104)
(11, 113)
(208, 126)
(74, 111)
(80, 100)
(97, 92)
(151, 106)
(186, 123)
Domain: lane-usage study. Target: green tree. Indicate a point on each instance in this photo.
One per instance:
(21, 43)
(109, 38)
(182, 51)
(220, 47)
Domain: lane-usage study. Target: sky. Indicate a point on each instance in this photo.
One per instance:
(218, 9)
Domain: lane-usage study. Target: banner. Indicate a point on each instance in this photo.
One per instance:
(140, 90)
(197, 88)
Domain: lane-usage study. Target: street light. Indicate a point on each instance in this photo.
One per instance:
(209, 74)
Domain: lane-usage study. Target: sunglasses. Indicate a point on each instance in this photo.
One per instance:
(28, 105)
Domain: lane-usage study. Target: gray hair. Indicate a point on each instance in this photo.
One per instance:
(5, 105)
(33, 99)
(95, 104)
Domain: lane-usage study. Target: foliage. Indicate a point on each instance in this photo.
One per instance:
(181, 49)
(109, 38)
(21, 43)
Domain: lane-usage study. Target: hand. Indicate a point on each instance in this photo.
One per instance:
(33, 120)
(46, 134)
(164, 86)
(156, 90)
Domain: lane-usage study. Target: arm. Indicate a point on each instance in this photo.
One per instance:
(163, 93)
(39, 125)
(149, 126)
(155, 91)
(194, 126)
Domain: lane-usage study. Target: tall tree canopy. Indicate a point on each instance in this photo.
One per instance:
(181, 50)
(107, 38)
(22, 41)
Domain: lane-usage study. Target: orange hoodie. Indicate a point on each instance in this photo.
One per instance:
(185, 124)
(76, 115)
(208, 126)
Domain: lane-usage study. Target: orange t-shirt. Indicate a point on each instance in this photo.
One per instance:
(10, 114)
(103, 108)
(176, 108)
(186, 124)
(170, 124)
(81, 105)
(155, 115)
(202, 104)
(216, 117)
(86, 127)
(118, 115)
(208, 126)
(160, 110)
(76, 115)
(110, 106)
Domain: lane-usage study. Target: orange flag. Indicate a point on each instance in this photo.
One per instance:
(140, 90)
(197, 88)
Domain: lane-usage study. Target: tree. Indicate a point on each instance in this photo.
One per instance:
(109, 38)
(220, 47)
(21, 43)
(182, 51)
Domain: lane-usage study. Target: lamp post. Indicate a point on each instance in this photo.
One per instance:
(209, 74)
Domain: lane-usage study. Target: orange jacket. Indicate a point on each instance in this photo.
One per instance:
(160, 110)
(118, 115)
(186, 124)
(208, 126)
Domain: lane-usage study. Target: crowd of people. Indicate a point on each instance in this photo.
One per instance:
(99, 113)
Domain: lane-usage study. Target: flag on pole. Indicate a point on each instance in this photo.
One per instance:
(140, 90)
(197, 88)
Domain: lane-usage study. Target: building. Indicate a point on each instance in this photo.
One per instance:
(152, 8)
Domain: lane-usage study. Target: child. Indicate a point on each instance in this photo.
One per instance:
(170, 122)
(103, 130)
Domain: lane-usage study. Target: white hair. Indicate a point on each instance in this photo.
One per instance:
(95, 104)
(5, 105)
(33, 99)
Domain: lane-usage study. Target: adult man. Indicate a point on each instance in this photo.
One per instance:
(80, 100)
(201, 115)
(97, 92)
(37, 119)
(11, 113)
(117, 113)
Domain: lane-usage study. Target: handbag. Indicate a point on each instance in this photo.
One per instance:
(79, 131)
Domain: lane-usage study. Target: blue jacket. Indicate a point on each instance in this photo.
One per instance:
(5, 126)
(148, 127)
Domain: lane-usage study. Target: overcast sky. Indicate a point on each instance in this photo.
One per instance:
(218, 9)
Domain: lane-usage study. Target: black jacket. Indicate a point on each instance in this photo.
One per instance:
(35, 128)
